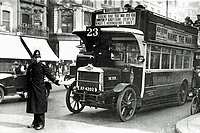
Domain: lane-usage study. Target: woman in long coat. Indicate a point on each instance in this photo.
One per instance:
(37, 98)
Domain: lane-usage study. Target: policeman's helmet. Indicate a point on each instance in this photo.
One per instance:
(36, 54)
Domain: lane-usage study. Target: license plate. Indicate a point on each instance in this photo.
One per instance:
(85, 88)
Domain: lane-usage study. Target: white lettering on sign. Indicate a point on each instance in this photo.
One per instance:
(172, 36)
(87, 88)
(112, 78)
(116, 19)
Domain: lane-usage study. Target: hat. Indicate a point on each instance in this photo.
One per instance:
(36, 54)
(187, 17)
(127, 6)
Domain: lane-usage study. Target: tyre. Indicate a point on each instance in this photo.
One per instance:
(1, 94)
(126, 104)
(182, 93)
(194, 107)
(73, 101)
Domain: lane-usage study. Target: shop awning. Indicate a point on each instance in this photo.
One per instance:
(46, 52)
(68, 50)
(12, 48)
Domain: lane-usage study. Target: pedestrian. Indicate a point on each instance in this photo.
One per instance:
(17, 68)
(37, 99)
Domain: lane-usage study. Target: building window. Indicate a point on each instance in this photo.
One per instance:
(67, 21)
(6, 20)
(108, 2)
(26, 19)
(87, 18)
(88, 3)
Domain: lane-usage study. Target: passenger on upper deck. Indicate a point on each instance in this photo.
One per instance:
(188, 21)
(128, 7)
(197, 22)
(139, 7)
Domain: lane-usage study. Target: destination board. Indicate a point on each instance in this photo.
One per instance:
(128, 18)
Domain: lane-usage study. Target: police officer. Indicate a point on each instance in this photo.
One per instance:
(37, 99)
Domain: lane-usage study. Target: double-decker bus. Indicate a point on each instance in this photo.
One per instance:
(133, 59)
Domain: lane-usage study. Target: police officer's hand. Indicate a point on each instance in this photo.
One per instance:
(57, 82)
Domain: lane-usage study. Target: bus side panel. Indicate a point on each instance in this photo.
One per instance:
(162, 84)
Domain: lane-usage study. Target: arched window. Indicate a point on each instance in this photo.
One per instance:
(6, 20)
(67, 21)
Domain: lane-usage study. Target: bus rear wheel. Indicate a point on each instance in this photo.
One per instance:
(182, 93)
(73, 101)
(126, 104)
(1, 94)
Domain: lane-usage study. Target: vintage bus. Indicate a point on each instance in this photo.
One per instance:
(133, 60)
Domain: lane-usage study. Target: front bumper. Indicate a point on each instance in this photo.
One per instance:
(104, 99)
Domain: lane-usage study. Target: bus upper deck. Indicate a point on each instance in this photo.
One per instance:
(155, 27)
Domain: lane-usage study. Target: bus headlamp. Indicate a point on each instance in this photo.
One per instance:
(198, 74)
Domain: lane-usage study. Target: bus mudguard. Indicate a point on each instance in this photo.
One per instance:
(5, 91)
(120, 87)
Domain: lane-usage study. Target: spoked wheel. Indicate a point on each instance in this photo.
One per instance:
(182, 93)
(1, 94)
(73, 101)
(126, 104)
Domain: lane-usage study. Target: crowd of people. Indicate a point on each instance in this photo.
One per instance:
(189, 22)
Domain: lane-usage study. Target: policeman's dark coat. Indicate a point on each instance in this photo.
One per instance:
(37, 99)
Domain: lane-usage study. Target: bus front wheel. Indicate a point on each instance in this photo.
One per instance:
(126, 104)
(182, 93)
(1, 94)
(73, 101)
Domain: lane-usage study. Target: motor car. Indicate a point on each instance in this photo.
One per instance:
(12, 84)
